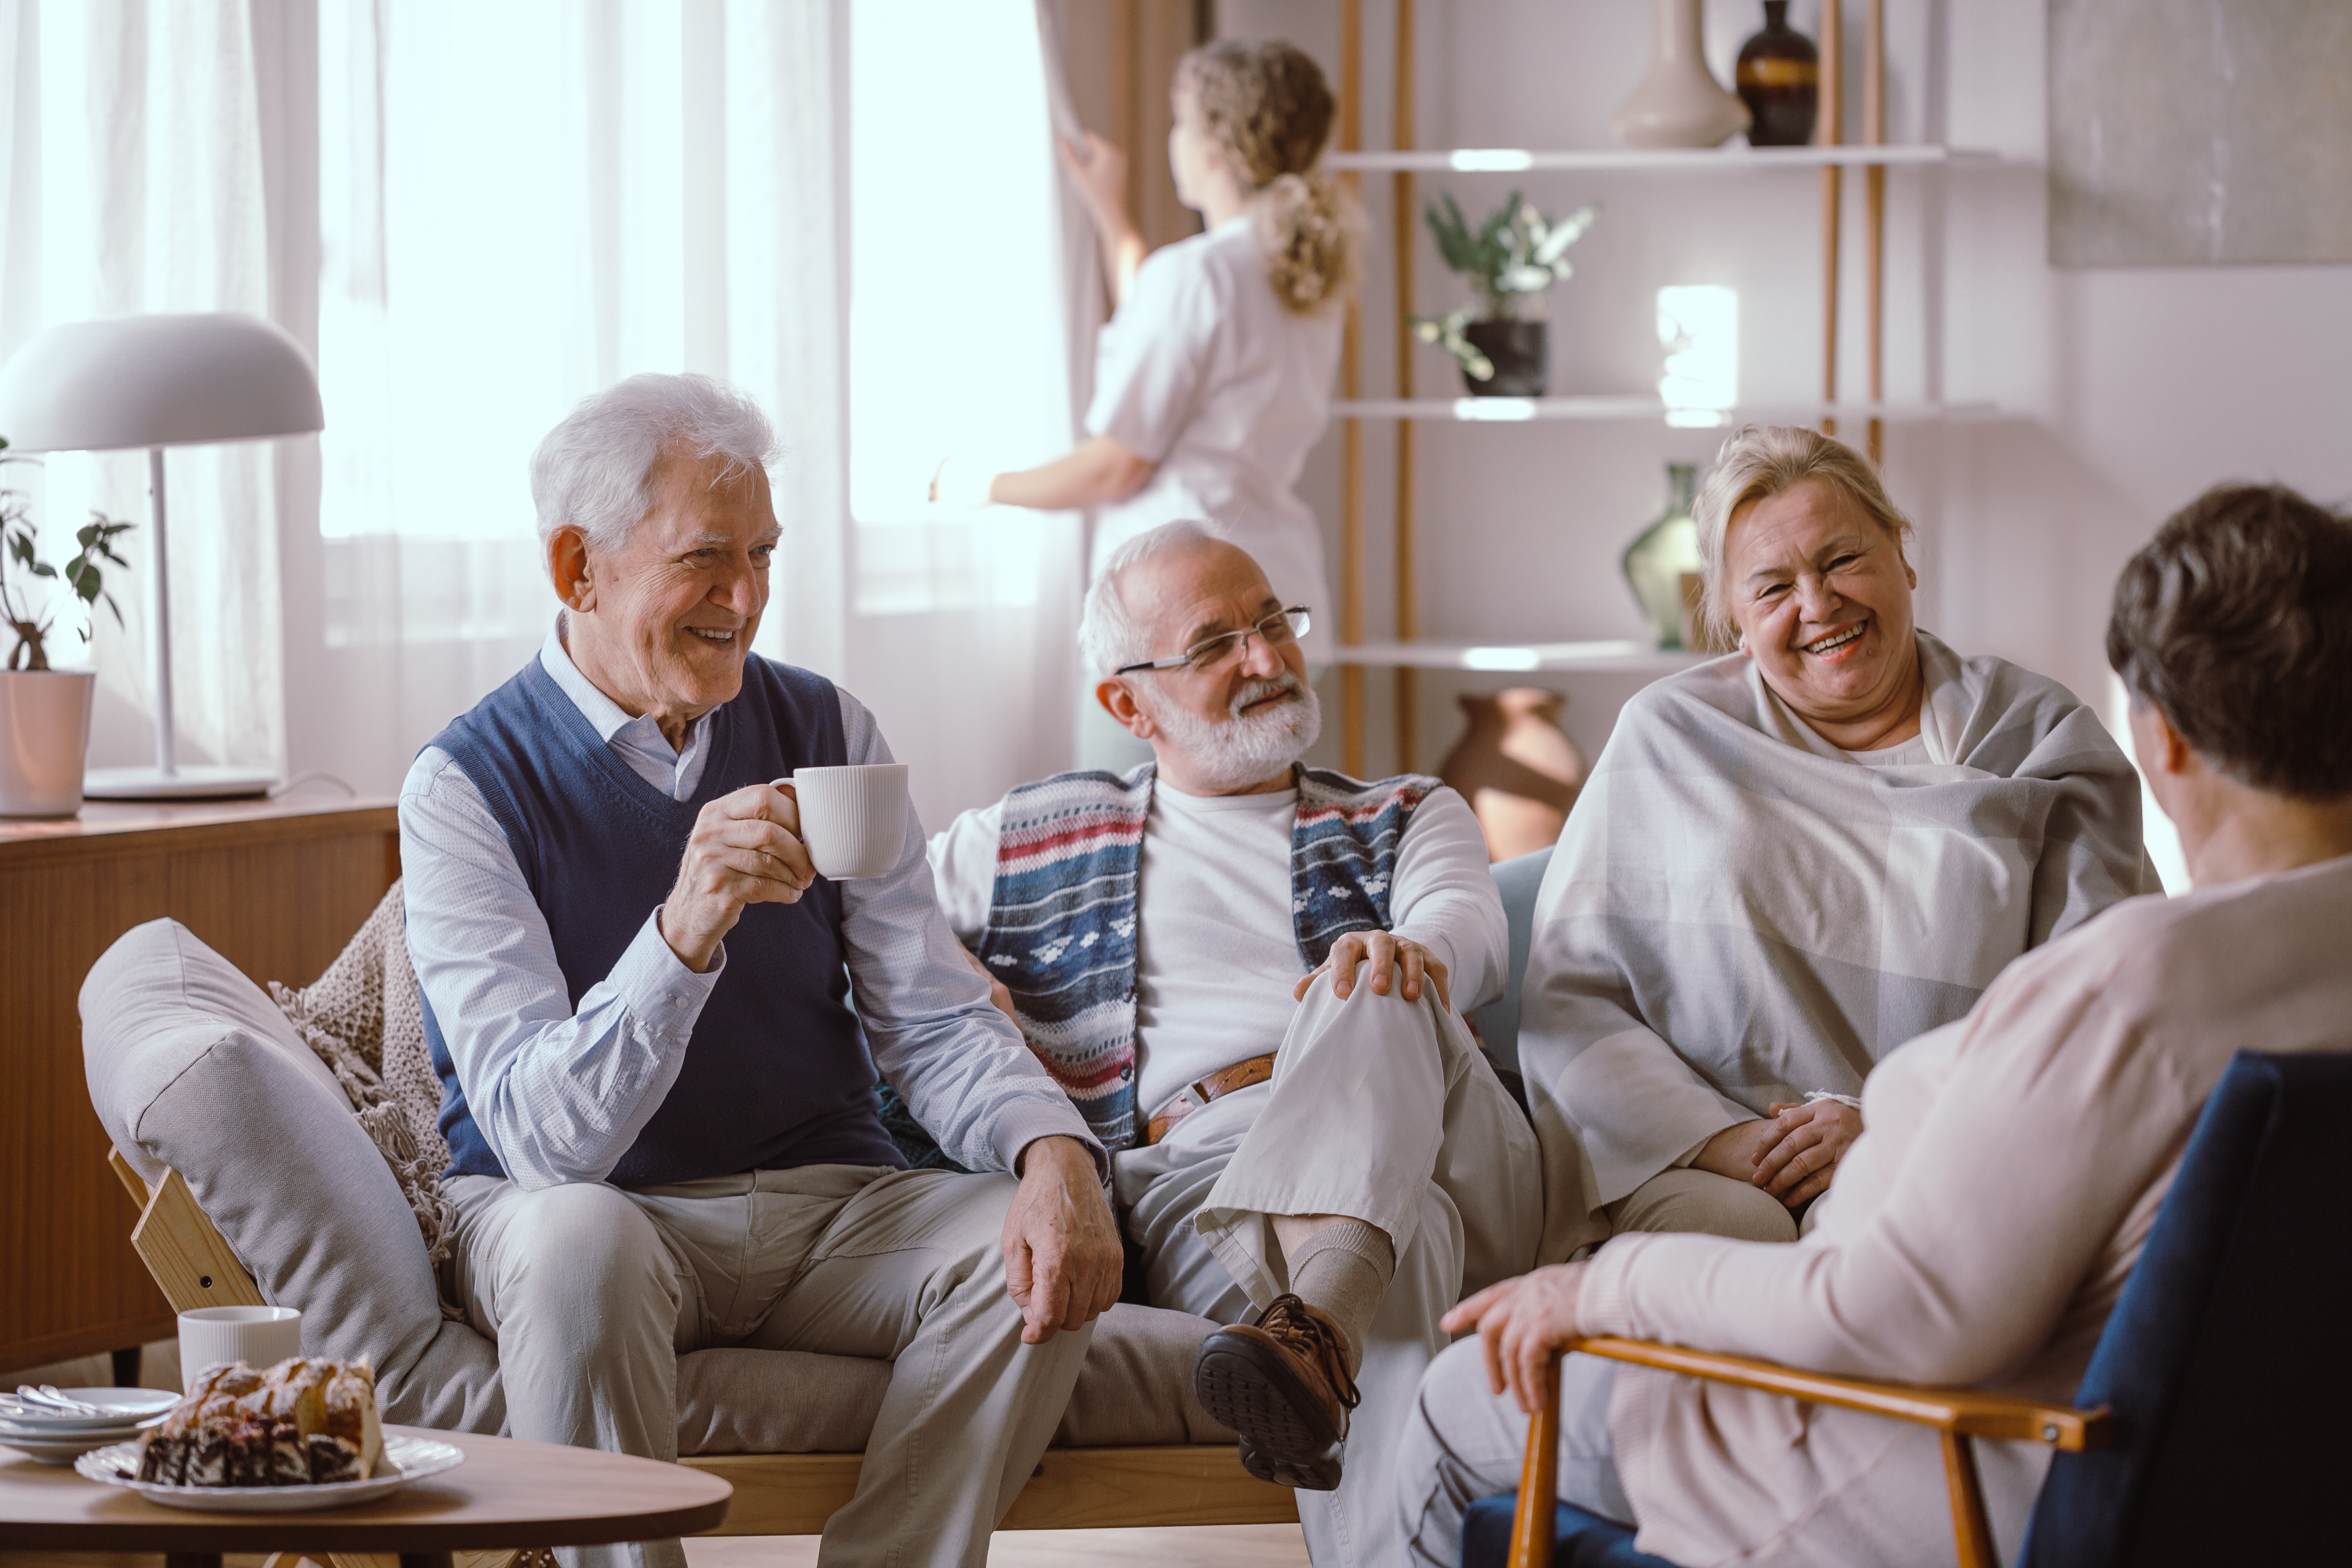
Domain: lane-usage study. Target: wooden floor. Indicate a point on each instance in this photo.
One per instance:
(1215, 1546)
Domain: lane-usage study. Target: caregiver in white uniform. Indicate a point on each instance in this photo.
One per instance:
(1213, 379)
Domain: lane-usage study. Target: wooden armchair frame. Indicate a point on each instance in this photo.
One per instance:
(789, 1494)
(1959, 1416)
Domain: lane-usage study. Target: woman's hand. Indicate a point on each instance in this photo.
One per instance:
(1523, 1323)
(1808, 1141)
(1732, 1152)
(1100, 170)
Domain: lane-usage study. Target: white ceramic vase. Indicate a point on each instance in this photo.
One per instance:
(1679, 104)
(44, 736)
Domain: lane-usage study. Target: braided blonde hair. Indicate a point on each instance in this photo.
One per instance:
(1267, 108)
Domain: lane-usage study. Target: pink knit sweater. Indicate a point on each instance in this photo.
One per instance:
(1978, 1234)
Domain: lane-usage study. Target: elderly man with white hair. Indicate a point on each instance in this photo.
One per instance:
(660, 1112)
(1245, 973)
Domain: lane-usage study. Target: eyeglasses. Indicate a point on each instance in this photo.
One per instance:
(1278, 630)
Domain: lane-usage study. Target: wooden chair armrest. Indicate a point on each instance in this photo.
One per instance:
(1969, 1412)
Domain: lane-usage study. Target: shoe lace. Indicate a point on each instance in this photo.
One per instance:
(1301, 1328)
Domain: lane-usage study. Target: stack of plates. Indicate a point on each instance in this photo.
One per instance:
(59, 1437)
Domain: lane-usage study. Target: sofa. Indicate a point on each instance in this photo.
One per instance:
(194, 1069)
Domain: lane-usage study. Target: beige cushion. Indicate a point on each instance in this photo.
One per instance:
(191, 1066)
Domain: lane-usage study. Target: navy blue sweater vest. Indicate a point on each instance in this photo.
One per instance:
(776, 1073)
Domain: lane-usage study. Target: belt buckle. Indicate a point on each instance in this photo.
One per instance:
(1174, 1108)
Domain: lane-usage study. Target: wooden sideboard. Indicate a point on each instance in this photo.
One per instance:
(277, 887)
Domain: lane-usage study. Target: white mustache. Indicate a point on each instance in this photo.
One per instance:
(1282, 685)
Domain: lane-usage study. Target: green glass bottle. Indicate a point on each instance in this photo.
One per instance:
(1667, 553)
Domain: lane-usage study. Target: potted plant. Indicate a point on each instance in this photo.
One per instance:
(1511, 259)
(45, 712)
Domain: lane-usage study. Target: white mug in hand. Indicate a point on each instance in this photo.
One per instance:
(259, 1336)
(853, 819)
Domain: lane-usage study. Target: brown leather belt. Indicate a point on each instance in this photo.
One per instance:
(1216, 1086)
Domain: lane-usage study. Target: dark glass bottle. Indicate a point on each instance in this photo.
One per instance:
(1779, 80)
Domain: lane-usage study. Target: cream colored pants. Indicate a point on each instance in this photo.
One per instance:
(1694, 1200)
(592, 1293)
(1380, 1108)
(1465, 1442)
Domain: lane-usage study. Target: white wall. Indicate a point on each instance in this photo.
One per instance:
(2122, 392)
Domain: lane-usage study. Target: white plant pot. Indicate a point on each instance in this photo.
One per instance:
(44, 736)
(1679, 104)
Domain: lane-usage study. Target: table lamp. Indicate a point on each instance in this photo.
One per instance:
(158, 381)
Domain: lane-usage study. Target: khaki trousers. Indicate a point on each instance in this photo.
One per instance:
(592, 1293)
(1686, 1199)
(1379, 1109)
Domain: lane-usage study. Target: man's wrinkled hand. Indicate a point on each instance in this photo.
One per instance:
(1388, 955)
(745, 849)
(1524, 1324)
(1063, 1261)
(1808, 1141)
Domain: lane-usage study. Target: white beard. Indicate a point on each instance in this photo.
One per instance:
(1236, 752)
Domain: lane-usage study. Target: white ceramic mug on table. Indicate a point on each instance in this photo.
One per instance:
(258, 1336)
(853, 818)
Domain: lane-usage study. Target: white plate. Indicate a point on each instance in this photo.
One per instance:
(413, 1458)
(12, 1431)
(124, 1407)
(58, 1450)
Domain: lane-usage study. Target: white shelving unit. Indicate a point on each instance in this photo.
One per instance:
(1613, 656)
(1639, 407)
(1656, 160)
(1407, 652)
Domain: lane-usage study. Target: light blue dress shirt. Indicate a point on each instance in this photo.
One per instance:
(561, 1093)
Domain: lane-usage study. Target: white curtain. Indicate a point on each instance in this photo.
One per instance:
(477, 214)
(522, 203)
(134, 176)
(964, 337)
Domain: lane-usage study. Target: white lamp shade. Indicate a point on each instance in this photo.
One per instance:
(156, 381)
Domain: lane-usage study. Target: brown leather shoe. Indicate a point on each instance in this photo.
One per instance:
(1282, 1383)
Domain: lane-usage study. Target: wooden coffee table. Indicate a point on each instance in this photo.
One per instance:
(507, 1494)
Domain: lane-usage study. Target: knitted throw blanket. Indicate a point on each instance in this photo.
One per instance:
(364, 1018)
(1062, 920)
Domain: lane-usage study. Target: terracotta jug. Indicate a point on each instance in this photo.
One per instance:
(1517, 769)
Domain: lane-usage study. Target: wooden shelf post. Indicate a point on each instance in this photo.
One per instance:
(1873, 192)
(1829, 130)
(1352, 429)
(1408, 622)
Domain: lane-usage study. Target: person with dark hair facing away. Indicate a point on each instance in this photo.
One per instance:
(2013, 1162)
(1213, 380)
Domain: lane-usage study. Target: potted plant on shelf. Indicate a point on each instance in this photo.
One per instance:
(1511, 259)
(45, 712)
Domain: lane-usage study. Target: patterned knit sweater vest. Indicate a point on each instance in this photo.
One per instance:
(1061, 923)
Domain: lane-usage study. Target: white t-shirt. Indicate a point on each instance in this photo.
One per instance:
(1216, 954)
(1204, 373)
(1217, 951)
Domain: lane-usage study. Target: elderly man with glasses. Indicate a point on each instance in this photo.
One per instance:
(1245, 972)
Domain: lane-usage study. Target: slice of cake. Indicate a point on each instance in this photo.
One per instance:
(304, 1422)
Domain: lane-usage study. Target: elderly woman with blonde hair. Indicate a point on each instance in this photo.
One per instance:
(1792, 859)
